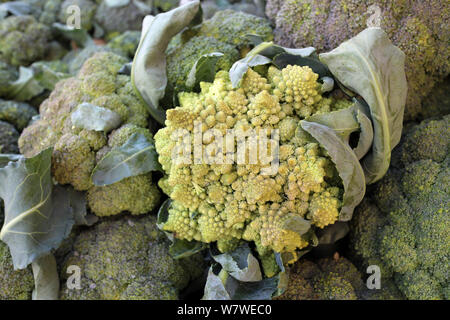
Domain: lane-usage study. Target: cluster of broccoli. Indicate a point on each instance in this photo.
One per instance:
(333, 278)
(77, 150)
(414, 26)
(225, 32)
(126, 259)
(404, 226)
(228, 202)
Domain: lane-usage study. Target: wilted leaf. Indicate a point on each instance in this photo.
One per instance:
(46, 76)
(240, 67)
(347, 165)
(25, 87)
(46, 278)
(370, 65)
(37, 218)
(241, 264)
(332, 233)
(148, 74)
(78, 204)
(136, 156)
(366, 132)
(297, 224)
(214, 288)
(204, 69)
(90, 117)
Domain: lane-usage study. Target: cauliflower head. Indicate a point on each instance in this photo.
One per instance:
(248, 199)
(76, 150)
(403, 228)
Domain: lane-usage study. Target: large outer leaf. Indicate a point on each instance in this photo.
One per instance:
(370, 65)
(46, 279)
(148, 73)
(36, 219)
(136, 156)
(347, 165)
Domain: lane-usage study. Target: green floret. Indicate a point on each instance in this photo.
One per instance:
(404, 227)
(232, 27)
(77, 150)
(126, 43)
(414, 26)
(17, 113)
(23, 40)
(127, 259)
(14, 284)
(8, 138)
(181, 59)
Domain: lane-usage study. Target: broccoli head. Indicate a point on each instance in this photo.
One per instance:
(232, 27)
(126, 259)
(126, 43)
(77, 150)
(8, 138)
(414, 26)
(8, 74)
(23, 40)
(14, 284)
(17, 113)
(214, 201)
(403, 227)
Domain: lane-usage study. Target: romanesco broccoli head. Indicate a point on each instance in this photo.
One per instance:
(77, 150)
(23, 40)
(219, 201)
(404, 227)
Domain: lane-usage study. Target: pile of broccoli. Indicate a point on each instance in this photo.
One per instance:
(404, 226)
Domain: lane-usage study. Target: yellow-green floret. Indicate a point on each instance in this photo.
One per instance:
(77, 150)
(250, 197)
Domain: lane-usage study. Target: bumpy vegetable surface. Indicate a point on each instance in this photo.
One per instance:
(78, 150)
(404, 227)
(221, 202)
(414, 26)
(126, 259)
(23, 40)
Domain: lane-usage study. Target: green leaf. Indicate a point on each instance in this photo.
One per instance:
(204, 69)
(78, 204)
(370, 65)
(297, 224)
(46, 76)
(136, 156)
(346, 162)
(240, 67)
(343, 121)
(90, 117)
(25, 87)
(284, 59)
(241, 264)
(80, 36)
(37, 218)
(163, 213)
(6, 158)
(366, 132)
(233, 289)
(16, 8)
(46, 278)
(148, 74)
(183, 248)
